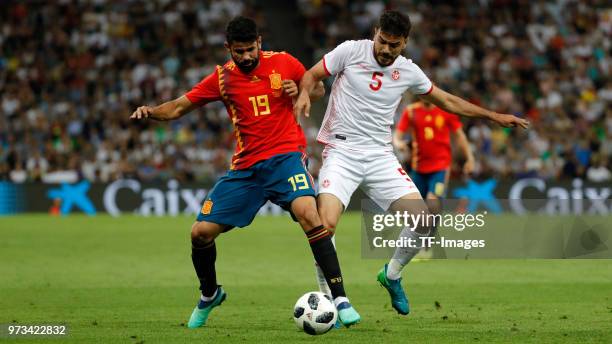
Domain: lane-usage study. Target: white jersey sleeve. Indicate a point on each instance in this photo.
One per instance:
(336, 60)
(421, 84)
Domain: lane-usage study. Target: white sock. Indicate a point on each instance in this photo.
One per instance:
(394, 269)
(339, 300)
(323, 287)
(403, 255)
(209, 298)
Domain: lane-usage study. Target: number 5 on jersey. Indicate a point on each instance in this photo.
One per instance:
(376, 82)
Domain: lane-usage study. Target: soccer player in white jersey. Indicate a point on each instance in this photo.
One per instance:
(371, 77)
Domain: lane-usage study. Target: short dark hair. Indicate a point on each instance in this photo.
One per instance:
(394, 23)
(241, 29)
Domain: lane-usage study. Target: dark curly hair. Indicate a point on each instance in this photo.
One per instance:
(395, 23)
(241, 29)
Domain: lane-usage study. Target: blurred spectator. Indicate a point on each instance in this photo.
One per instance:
(599, 172)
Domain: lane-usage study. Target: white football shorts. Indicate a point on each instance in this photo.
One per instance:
(379, 174)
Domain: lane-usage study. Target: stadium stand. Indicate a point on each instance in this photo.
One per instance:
(68, 86)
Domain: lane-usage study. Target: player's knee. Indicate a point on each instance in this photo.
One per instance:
(202, 234)
(308, 216)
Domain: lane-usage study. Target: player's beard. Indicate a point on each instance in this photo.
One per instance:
(385, 59)
(247, 68)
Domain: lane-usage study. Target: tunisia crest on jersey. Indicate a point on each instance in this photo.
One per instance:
(395, 75)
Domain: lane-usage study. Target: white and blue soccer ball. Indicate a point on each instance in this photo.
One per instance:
(315, 313)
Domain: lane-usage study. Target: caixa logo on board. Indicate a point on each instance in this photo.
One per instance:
(129, 196)
(154, 201)
(558, 199)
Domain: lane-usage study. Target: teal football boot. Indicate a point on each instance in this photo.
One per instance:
(399, 301)
(347, 315)
(200, 313)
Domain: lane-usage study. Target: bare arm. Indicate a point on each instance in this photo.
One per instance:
(318, 92)
(464, 146)
(453, 104)
(310, 80)
(291, 89)
(166, 111)
(400, 145)
(398, 140)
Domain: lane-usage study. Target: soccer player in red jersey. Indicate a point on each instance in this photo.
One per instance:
(257, 88)
(431, 129)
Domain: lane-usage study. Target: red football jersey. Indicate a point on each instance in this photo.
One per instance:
(261, 112)
(431, 128)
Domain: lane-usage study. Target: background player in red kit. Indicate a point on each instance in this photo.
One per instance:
(257, 88)
(430, 153)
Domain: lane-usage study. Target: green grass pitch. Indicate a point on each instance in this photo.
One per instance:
(130, 280)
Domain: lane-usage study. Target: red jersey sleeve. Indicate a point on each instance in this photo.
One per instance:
(404, 122)
(297, 68)
(205, 91)
(453, 121)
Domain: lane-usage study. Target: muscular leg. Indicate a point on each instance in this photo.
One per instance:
(204, 255)
(436, 189)
(330, 210)
(319, 236)
(390, 275)
(413, 204)
(305, 210)
(434, 204)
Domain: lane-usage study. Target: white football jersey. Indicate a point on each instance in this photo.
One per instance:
(365, 96)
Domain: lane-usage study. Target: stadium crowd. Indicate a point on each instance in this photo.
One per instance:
(72, 72)
(548, 60)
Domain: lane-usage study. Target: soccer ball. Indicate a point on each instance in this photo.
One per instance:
(315, 313)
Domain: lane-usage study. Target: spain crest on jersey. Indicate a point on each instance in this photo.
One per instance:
(276, 82)
(207, 207)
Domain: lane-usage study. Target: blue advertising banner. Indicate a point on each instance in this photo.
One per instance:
(130, 196)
